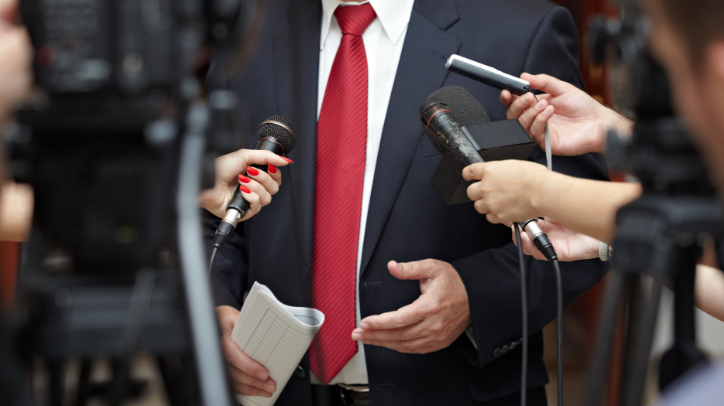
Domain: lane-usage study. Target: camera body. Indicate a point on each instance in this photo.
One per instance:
(100, 143)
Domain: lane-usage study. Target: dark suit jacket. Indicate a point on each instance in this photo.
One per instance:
(407, 219)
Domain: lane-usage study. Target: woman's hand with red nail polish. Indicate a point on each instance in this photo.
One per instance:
(230, 170)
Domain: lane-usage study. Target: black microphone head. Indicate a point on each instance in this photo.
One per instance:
(466, 109)
(279, 129)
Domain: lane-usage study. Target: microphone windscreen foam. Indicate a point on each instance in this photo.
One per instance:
(273, 130)
(466, 109)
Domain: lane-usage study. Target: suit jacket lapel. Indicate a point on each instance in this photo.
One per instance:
(420, 72)
(296, 74)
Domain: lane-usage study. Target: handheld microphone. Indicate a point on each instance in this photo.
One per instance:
(486, 74)
(276, 134)
(438, 120)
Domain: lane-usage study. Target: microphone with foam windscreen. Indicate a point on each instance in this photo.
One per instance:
(276, 134)
(456, 124)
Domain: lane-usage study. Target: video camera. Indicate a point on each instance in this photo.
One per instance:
(117, 145)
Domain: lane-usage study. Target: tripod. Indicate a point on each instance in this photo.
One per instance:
(663, 235)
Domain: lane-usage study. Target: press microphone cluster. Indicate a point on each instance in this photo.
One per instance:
(445, 132)
(276, 134)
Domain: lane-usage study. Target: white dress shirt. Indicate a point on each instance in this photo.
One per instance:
(383, 41)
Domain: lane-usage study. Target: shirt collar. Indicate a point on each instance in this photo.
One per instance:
(393, 14)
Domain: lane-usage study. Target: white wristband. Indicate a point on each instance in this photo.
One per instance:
(604, 251)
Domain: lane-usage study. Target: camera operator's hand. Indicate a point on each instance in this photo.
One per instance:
(257, 187)
(578, 123)
(570, 245)
(506, 189)
(15, 58)
(248, 377)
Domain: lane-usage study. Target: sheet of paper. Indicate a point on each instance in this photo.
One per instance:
(275, 335)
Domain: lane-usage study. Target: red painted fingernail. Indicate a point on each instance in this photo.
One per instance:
(288, 160)
(272, 169)
(252, 171)
(244, 189)
(244, 179)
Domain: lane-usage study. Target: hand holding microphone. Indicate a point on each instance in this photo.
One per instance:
(276, 135)
(258, 186)
(578, 123)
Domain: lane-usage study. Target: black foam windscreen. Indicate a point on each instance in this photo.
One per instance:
(283, 136)
(466, 109)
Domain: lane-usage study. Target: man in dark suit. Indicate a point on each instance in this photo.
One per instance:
(455, 293)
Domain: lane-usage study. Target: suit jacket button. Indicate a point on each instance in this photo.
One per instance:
(300, 372)
(506, 348)
(496, 353)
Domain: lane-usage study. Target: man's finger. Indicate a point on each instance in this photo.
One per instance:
(240, 376)
(246, 390)
(413, 270)
(405, 316)
(520, 105)
(240, 360)
(411, 332)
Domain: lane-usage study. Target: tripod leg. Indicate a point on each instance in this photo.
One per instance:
(684, 354)
(55, 377)
(604, 338)
(637, 361)
(84, 386)
(634, 307)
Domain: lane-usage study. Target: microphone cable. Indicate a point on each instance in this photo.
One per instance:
(524, 306)
(545, 246)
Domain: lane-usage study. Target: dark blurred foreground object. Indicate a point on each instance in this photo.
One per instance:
(663, 232)
(117, 148)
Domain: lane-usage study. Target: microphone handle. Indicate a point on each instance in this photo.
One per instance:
(456, 141)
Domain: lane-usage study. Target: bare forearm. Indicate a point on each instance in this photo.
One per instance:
(710, 291)
(586, 206)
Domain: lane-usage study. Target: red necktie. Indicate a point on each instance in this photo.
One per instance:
(341, 154)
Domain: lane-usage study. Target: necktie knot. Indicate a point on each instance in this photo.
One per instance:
(354, 20)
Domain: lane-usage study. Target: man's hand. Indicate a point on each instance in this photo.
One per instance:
(506, 191)
(430, 323)
(578, 123)
(248, 377)
(257, 188)
(570, 245)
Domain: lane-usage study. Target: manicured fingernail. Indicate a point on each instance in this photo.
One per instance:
(252, 171)
(288, 160)
(244, 189)
(356, 336)
(364, 325)
(244, 179)
(272, 169)
(269, 388)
